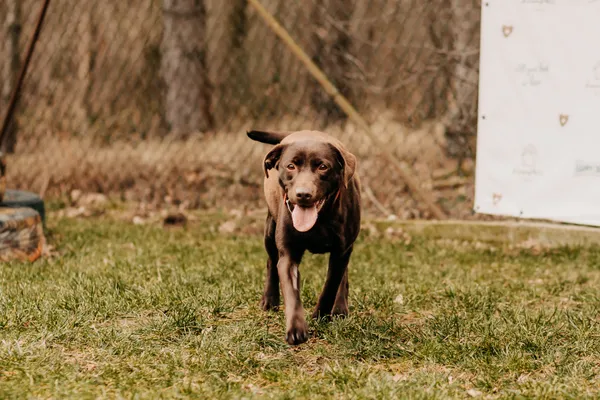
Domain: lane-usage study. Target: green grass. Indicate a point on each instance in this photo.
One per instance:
(126, 311)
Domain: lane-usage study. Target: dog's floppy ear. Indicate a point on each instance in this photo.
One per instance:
(272, 158)
(348, 162)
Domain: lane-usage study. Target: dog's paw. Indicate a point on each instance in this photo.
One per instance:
(269, 303)
(297, 333)
(319, 314)
(340, 311)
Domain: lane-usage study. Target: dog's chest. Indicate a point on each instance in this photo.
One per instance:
(319, 247)
(319, 240)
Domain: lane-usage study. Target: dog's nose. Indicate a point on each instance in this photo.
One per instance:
(303, 194)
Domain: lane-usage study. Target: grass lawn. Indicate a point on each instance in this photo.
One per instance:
(126, 311)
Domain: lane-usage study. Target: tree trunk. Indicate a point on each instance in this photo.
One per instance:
(80, 107)
(183, 67)
(440, 34)
(331, 48)
(235, 74)
(11, 68)
(239, 24)
(455, 33)
(465, 40)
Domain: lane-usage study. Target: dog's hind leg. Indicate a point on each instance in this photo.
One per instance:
(338, 265)
(340, 307)
(270, 298)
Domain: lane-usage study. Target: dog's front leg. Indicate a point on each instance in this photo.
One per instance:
(338, 264)
(289, 277)
(270, 298)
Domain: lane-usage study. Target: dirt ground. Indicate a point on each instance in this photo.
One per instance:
(223, 170)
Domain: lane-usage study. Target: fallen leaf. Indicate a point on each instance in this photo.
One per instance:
(399, 299)
(228, 227)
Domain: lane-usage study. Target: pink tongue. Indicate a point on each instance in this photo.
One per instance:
(304, 218)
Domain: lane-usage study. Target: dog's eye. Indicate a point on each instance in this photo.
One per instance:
(323, 167)
(291, 167)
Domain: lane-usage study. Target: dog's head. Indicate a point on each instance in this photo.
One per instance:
(311, 172)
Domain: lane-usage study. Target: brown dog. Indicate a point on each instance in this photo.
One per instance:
(313, 197)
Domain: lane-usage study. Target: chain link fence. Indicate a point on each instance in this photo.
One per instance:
(149, 100)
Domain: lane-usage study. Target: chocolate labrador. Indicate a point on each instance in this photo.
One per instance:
(313, 198)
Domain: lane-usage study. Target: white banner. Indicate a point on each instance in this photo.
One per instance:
(538, 145)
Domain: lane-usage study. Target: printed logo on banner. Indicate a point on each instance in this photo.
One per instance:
(539, 4)
(583, 168)
(532, 74)
(593, 83)
(529, 162)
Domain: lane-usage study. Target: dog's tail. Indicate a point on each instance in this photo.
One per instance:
(269, 137)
